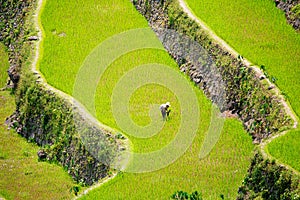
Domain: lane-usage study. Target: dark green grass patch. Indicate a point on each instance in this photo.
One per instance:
(286, 149)
(259, 32)
(21, 175)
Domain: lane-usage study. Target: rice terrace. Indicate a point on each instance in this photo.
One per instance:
(150, 99)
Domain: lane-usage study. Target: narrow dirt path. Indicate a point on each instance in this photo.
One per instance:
(258, 72)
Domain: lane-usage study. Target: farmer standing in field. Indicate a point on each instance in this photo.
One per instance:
(165, 110)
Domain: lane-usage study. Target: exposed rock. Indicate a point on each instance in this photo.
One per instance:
(14, 75)
(229, 114)
(42, 154)
(262, 77)
(33, 38)
(271, 87)
(256, 141)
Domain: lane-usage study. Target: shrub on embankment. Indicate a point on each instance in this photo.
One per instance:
(268, 180)
(246, 95)
(13, 33)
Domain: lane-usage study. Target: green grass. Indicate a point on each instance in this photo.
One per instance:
(3, 65)
(86, 24)
(286, 149)
(258, 31)
(21, 175)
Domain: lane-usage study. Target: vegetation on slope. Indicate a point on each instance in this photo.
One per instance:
(49, 120)
(268, 180)
(13, 16)
(259, 32)
(246, 95)
(72, 31)
(21, 175)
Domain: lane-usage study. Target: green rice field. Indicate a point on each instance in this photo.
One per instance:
(72, 30)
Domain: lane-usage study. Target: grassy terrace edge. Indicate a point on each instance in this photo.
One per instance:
(20, 166)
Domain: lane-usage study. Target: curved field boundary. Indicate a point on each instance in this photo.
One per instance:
(258, 72)
(76, 105)
(266, 153)
(103, 181)
(38, 53)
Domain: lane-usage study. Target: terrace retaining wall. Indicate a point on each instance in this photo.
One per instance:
(65, 136)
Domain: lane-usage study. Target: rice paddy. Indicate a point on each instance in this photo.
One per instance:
(72, 30)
